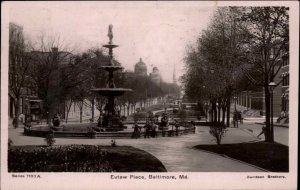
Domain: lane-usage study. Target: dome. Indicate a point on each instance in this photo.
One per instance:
(140, 68)
(141, 64)
(155, 69)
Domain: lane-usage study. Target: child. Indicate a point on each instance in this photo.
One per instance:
(263, 131)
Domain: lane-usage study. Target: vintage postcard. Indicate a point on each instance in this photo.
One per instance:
(149, 95)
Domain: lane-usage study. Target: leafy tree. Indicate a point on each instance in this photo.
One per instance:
(268, 28)
(214, 66)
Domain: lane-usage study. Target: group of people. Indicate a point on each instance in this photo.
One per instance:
(149, 128)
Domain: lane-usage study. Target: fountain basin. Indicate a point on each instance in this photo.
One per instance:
(111, 91)
(110, 46)
(83, 130)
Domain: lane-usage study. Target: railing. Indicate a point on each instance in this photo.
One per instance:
(38, 131)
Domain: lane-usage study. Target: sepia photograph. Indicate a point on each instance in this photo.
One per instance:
(149, 95)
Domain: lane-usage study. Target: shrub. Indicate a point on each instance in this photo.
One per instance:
(217, 130)
(50, 139)
(71, 158)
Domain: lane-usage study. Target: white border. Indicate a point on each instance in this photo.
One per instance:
(196, 180)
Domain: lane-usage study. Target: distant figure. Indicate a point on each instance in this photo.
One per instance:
(176, 127)
(100, 119)
(164, 121)
(56, 120)
(263, 131)
(147, 130)
(14, 122)
(136, 133)
(153, 130)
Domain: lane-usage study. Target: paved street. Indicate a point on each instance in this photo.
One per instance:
(176, 153)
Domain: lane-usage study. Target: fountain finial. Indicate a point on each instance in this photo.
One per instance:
(110, 33)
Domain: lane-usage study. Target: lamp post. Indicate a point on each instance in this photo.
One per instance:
(47, 117)
(272, 86)
(235, 123)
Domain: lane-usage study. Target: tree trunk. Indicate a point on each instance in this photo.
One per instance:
(213, 111)
(17, 112)
(219, 112)
(211, 115)
(80, 111)
(68, 111)
(267, 105)
(93, 109)
(218, 141)
(228, 103)
(223, 114)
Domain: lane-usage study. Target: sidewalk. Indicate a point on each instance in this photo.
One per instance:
(281, 134)
(275, 124)
(176, 153)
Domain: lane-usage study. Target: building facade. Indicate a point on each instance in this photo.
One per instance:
(256, 100)
(140, 68)
(285, 76)
(155, 76)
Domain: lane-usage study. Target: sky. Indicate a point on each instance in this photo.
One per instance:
(157, 32)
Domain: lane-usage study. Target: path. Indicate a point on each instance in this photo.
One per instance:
(176, 153)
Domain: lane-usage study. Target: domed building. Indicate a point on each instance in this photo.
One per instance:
(140, 68)
(155, 76)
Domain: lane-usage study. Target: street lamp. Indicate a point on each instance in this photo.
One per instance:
(47, 117)
(235, 123)
(272, 86)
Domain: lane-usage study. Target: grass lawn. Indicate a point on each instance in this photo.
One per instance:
(130, 159)
(81, 158)
(272, 157)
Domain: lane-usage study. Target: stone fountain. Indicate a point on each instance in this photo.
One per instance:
(111, 119)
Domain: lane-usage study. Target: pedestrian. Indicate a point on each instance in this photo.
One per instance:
(263, 131)
(14, 122)
(176, 127)
(136, 132)
(147, 129)
(56, 120)
(153, 130)
(100, 120)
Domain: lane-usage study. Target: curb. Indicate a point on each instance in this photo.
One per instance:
(225, 156)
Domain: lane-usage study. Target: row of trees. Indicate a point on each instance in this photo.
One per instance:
(62, 79)
(240, 50)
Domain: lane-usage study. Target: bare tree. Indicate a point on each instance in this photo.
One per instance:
(18, 67)
(50, 71)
